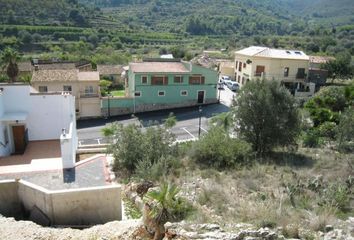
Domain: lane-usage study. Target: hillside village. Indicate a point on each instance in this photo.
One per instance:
(194, 137)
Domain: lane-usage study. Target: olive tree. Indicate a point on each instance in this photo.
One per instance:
(266, 116)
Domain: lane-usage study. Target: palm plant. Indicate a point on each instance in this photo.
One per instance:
(9, 59)
(165, 208)
(224, 120)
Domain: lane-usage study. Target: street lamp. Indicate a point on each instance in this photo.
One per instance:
(200, 120)
(109, 105)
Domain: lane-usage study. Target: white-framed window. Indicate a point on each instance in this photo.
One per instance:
(89, 89)
(184, 93)
(178, 79)
(144, 79)
(43, 89)
(137, 94)
(67, 88)
(161, 93)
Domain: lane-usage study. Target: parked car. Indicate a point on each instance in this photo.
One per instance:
(233, 86)
(220, 86)
(225, 79)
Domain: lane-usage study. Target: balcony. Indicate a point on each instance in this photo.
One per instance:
(89, 95)
(259, 74)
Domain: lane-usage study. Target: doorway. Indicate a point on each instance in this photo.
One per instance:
(200, 97)
(20, 138)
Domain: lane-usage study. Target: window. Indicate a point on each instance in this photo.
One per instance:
(43, 89)
(236, 64)
(178, 79)
(184, 93)
(67, 88)
(239, 79)
(161, 93)
(243, 80)
(144, 80)
(300, 73)
(6, 137)
(159, 80)
(259, 70)
(196, 79)
(244, 65)
(240, 66)
(298, 53)
(286, 72)
(137, 94)
(88, 89)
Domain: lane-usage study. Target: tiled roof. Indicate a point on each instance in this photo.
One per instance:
(25, 66)
(273, 53)
(158, 67)
(320, 59)
(110, 69)
(88, 76)
(64, 75)
(57, 66)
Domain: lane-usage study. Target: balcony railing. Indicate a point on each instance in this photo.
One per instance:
(89, 94)
(259, 74)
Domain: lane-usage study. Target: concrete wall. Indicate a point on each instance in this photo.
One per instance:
(9, 199)
(86, 206)
(5, 147)
(90, 107)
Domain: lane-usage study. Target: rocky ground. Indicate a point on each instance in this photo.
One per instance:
(133, 229)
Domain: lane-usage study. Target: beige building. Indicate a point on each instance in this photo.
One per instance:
(290, 67)
(227, 68)
(83, 85)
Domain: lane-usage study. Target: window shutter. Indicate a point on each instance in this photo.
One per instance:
(202, 80)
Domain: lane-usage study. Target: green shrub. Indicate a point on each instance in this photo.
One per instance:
(218, 150)
(312, 139)
(327, 129)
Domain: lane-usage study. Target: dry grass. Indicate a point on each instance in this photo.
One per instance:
(258, 195)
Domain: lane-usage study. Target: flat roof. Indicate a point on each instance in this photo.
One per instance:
(158, 67)
(256, 51)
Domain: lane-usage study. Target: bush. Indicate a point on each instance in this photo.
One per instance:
(312, 139)
(131, 146)
(218, 150)
(327, 130)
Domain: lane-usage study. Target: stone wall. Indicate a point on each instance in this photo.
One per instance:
(116, 111)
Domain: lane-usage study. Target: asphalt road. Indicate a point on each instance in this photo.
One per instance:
(187, 127)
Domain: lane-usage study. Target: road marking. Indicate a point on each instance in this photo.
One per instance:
(203, 129)
(188, 132)
(98, 141)
(80, 143)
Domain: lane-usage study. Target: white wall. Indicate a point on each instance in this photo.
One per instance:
(4, 150)
(47, 114)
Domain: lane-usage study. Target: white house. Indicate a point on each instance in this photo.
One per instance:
(26, 115)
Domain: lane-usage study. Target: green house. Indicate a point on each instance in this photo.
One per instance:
(165, 84)
(170, 84)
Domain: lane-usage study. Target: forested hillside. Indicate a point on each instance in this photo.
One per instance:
(117, 30)
(48, 12)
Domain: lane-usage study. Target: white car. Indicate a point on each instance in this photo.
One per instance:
(225, 79)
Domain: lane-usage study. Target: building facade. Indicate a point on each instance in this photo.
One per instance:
(164, 84)
(290, 67)
(26, 115)
(83, 85)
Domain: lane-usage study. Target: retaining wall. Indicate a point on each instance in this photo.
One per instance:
(85, 206)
